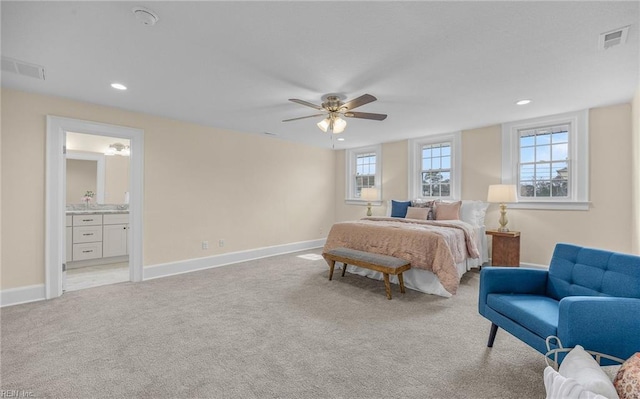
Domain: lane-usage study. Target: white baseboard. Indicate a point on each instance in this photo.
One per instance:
(191, 265)
(534, 266)
(32, 293)
(16, 296)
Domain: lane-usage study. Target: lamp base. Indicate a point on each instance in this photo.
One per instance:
(369, 209)
(503, 219)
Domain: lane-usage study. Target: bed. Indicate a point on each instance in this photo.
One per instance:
(440, 251)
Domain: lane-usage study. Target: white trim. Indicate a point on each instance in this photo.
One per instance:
(57, 127)
(579, 159)
(100, 173)
(350, 163)
(191, 265)
(16, 296)
(415, 164)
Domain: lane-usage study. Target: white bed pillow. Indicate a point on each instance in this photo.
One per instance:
(473, 212)
(582, 367)
(560, 387)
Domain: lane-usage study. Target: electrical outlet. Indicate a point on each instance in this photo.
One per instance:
(221, 243)
(205, 244)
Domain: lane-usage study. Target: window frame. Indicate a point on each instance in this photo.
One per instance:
(415, 165)
(578, 193)
(351, 155)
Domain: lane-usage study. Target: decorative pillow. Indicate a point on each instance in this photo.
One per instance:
(418, 203)
(558, 387)
(582, 367)
(448, 210)
(627, 381)
(417, 213)
(399, 208)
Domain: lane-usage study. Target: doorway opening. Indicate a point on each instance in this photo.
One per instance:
(94, 220)
(97, 211)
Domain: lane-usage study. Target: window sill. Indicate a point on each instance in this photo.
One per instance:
(361, 202)
(551, 205)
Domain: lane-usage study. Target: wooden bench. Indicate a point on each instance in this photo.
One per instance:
(381, 263)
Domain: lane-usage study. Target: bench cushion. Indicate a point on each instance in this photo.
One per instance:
(536, 313)
(376, 259)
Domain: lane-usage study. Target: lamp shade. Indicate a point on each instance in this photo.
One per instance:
(369, 194)
(339, 124)
(324, 124)
(502, 193)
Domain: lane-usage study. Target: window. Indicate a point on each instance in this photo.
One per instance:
(363, 170)
(434, 167)
(547, 159)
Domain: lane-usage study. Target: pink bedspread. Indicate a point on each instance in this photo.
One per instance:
(428, 244)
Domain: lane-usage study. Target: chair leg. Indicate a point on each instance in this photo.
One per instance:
(492, 335)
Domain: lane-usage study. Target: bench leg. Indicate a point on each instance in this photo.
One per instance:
(387, 286)
(401, 281)
(492, 335)
(332, 264)
(344, 268)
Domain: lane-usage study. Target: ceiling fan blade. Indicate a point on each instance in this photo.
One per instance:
(366, 115)
(303, 117)
(357, 102)
(308, 104)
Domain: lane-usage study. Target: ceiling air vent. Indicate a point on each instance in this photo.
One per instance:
(613, 38)
(22, 68)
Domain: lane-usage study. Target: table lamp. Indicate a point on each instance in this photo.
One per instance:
(502, 193)
(369, 194)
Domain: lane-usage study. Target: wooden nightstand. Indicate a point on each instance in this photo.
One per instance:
(505, 250)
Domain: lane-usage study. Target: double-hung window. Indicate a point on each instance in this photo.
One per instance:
(434, 167)
(363, 171)
(547, 159)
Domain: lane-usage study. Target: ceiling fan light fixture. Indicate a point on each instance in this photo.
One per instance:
(324, 124)
(338, 125)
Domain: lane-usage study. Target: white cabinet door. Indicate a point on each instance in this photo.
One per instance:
(114, 240)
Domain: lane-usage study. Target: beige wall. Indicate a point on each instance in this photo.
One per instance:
(635, 169)
(607, 224)
(116, 179)
(252, 191)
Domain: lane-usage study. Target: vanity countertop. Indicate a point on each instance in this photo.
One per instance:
(96, 211)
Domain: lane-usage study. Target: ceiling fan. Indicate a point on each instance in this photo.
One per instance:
(334, 109)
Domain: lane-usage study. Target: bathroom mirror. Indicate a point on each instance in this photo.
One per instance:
(106, 176)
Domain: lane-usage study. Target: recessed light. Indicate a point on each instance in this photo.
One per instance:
(523, 102)
(118, 86)
(340, 138)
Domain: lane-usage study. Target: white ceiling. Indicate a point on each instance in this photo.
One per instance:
(435, 67)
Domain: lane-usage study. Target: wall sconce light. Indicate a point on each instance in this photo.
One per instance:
(118, 149)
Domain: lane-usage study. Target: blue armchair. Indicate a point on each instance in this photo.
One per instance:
(588, 297)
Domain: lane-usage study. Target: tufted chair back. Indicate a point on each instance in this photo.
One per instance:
(579, 271)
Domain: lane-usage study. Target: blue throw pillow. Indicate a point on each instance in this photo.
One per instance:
(399, 208)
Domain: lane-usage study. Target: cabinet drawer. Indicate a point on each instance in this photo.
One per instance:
(87, 220)
(90, 250)
(116, 218)
(87, 234)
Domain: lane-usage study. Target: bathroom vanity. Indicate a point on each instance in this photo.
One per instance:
(98, 236)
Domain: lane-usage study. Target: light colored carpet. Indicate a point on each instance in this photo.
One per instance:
(270, 328)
